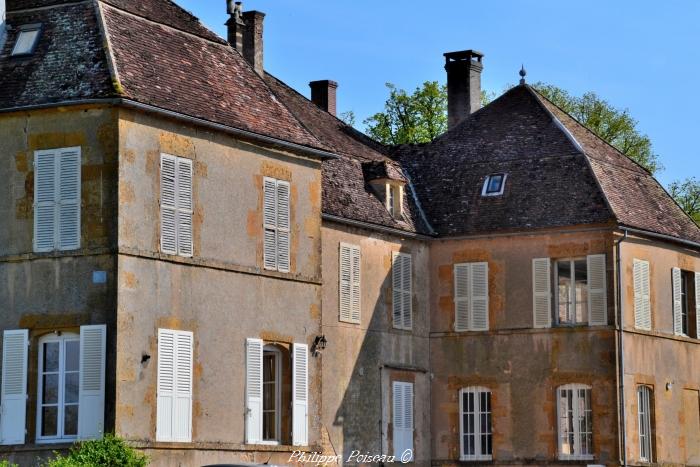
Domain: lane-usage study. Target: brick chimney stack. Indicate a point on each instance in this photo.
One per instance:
(323, 94)
(463, 84)
(235, 24)
(253, 40)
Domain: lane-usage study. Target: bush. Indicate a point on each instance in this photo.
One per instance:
(107, 452)
(4, 463)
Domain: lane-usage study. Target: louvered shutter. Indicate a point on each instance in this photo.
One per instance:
(93, 344)
(479, 296)
(254, 390)
(597, 291)
(13, 413)
(168, 204)
(402, 408)
(184, 207)
(642, 303)
(356, 287)
(166, 385)
(461, 296)
(697, 304)
(270, 223)
(45, 170)
(541, 292)
(283, 227)
(397, 297)
(345, 282)
(182, 423)
(69, 164)
(300, 395)
(677, 305)
(407, 287)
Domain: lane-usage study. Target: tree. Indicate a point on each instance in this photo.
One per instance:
(348, 117)
(687, 195)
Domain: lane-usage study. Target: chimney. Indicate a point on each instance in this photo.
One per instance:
(235, 24)
(253, 40)
(463, 84)
(323, 95)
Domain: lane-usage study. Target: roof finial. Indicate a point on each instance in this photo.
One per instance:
(522, 73)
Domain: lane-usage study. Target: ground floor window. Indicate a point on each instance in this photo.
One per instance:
(272, 373)
(402, 408)
(476, 434)
(644, 408)
(575, 422)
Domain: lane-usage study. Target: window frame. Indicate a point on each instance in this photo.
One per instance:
(271, 349)
(485, 192)
(574, 421)
(647, 404)
(477, 391)
(24, 29)
(61, 339)
(572, 292)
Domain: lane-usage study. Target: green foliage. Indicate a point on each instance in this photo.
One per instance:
(410, 118)
(5, 463)
(107, 452)
(348, 117)
(687, 195)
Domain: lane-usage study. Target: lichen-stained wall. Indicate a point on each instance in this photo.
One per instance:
(223, 294)
(659, 358)
(521, 366)
(50, 292)
(362, 360)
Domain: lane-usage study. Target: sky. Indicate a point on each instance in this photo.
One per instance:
(639, 55)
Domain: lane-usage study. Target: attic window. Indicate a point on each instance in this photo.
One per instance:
(26, 40)
(394, 200)
(494, 185)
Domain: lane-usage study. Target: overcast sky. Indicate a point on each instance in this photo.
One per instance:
(642, 55)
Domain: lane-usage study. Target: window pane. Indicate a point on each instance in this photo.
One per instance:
(71, 387)
(269, 426)
(25, 42)
(72, 355)
(581, 291)
(50, 389)
(564, 291)
(495, 182)
(51, 350)
(49, 421)
(70, 426)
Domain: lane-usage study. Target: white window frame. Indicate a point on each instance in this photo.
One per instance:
(60, 417)
(572, 291)
(353, 287)
(484, 190)
(477, 434)
(397, 260)
(645, 397)
(278, 395)
(394, 199)
(574, 422)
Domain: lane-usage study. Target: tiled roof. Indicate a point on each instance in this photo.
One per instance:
(346, 192)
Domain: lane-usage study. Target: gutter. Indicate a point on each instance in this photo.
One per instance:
(668, 238)
(619, 327)
(377, 227)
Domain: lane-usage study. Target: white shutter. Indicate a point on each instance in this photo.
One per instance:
(541, 292)
(402, 408)
(168, 204)
(642, 303)
(13, 414)
(254, 390)
(677, 305)
(461, 296)
(182, 423)
(300, 395)
(69, 165)
(283, 227)
(45, 170)
(270, 223)
(345, 282)
(93, 345)
(397, 298)
(402, 291)
(184, 207)
(166, 385)
(407, 287)
(479, 296)
(597, 291)
(697, 304)
(356, 287)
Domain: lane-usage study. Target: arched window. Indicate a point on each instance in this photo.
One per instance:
(58, 388)
(575, 422)
(645, 404)
(476, 435)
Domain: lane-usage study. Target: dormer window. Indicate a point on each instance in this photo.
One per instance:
(26, 40)
(394, 199)
(494, 185)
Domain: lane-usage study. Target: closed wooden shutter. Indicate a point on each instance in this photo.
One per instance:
(184, 207)
(270, 223)
(174, 411)
(642, 302)
(45, 170)
(13, 415)
(479, 294)
(402, 291)
(677, 304)
(93, 344)
(541, 292)
(69, 163)
(168, 204)
(254, 391)
(349, 283)
(356, 286)
(597, 291)
(697, 304)
(300, 395)
(461, 296)
(283, 227)
(402, 408)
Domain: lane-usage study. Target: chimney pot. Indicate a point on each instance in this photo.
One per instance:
(323, 94)
(235, 24)
(463, 84)
(253, 40)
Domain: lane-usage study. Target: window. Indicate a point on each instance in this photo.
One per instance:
(57, 199)
(174, 406)
(276, 224)
(642, 301)
(476, 441)
(572, 291)
(276, 380)
(644, 407)
(402, 409)
(575, 422)
(26, 40)
(471, 296)
(349, 285)
(175, 205)
(394, 200)
(494, 185)
(402, 291)
(685, 303)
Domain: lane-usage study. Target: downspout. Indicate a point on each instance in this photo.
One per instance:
(619, 327)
